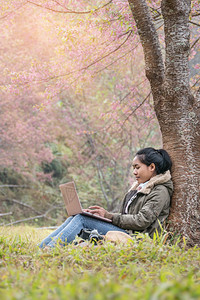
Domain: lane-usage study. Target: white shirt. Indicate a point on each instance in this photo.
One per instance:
(140, 186)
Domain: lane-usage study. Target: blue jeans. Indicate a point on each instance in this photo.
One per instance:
(67, 232)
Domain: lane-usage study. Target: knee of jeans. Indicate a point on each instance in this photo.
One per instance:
(78, 217)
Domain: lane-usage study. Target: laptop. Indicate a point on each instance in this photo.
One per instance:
(72, 202)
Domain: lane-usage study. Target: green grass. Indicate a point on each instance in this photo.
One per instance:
(143, 269)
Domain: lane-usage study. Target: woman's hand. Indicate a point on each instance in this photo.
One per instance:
(98, 210)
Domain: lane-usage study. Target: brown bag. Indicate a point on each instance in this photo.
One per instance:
(118, 237)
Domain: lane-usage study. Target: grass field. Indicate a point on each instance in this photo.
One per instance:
(143, 269)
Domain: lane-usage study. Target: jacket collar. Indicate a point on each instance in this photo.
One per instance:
(158, 179)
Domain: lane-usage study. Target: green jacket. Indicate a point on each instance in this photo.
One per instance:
(152, 203)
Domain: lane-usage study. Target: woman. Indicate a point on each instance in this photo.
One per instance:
(145, 206)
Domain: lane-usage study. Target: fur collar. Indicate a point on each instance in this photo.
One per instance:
(158, 179)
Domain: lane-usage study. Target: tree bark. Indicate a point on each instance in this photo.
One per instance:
(176, 108)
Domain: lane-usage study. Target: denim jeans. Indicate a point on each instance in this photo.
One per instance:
(67, 232)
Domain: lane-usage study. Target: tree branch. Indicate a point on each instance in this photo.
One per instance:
(154, 65)
(31, 218)
(6, 214)
(136, 109)
(196, 24)
(114, 61)
(49, 227)
(14, 185)
(195, 42)
(196, 15)
(67, 10)
(116, 49)
(196, 82)
(22, 204)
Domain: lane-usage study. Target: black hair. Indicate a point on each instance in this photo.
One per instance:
(160, 158)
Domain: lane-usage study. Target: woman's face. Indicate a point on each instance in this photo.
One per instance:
(143, 172)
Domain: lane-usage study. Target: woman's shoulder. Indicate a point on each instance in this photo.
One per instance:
(162, 191)
(159, 182)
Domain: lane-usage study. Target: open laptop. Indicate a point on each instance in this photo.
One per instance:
(72, 202)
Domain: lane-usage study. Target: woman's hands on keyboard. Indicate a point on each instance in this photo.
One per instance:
(98, 210)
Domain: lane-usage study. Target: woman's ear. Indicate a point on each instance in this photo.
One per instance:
(152, 167)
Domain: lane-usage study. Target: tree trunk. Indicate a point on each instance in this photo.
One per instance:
(176, 108)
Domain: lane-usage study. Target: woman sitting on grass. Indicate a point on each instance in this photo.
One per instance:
(144, 208)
